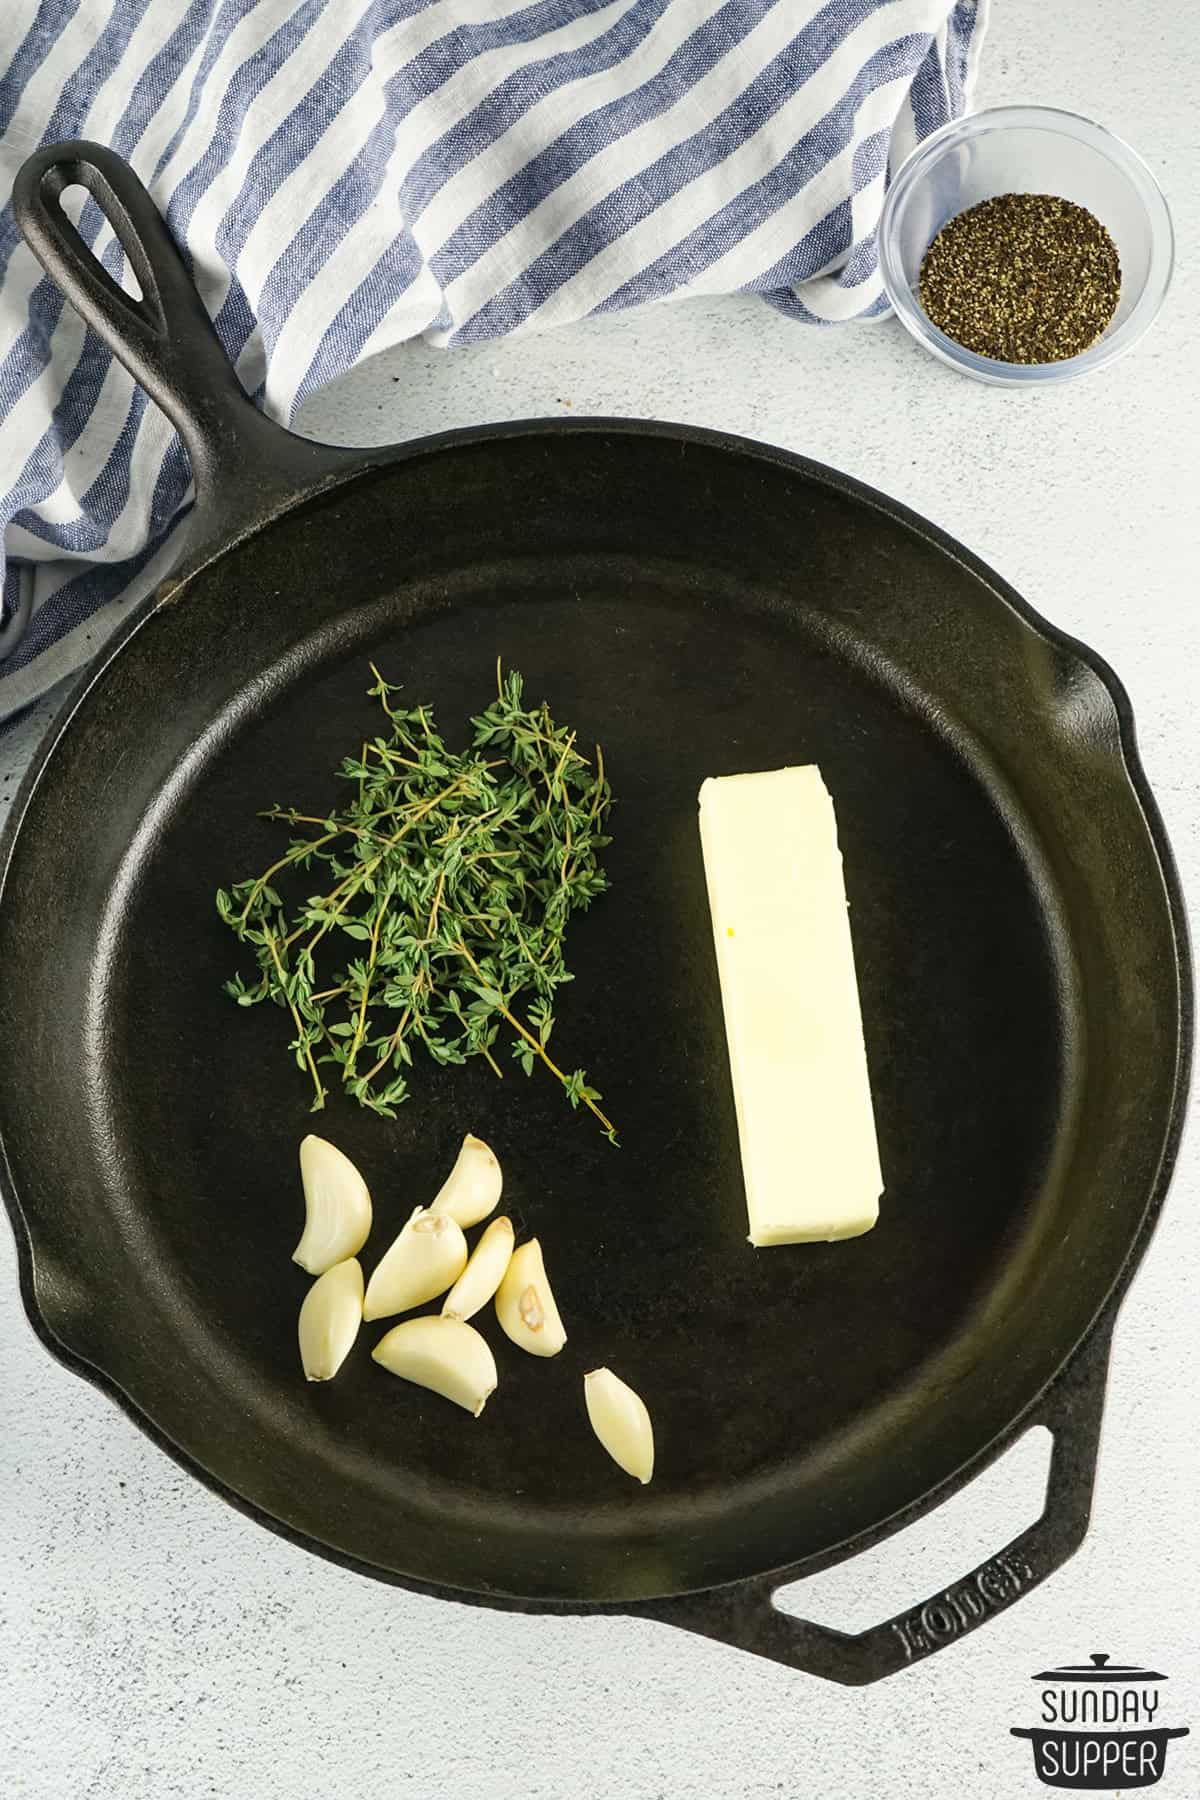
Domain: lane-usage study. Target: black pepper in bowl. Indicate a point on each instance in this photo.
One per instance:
(1022, 278)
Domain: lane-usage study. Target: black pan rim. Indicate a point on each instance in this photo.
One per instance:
(801, 468)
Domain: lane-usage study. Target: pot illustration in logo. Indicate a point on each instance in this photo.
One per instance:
(1100, 1727)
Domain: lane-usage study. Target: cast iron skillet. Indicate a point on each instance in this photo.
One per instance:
(700, 604)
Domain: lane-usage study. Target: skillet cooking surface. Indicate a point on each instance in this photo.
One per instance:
(699, 610)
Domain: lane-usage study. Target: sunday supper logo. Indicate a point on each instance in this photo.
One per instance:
(1100, 1726)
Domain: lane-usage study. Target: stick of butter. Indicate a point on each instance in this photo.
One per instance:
(792, 1019)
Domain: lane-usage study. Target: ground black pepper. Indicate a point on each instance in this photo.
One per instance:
(1022, 278)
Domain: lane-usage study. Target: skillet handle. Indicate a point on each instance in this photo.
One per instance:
(246, 467)
(745, 1614)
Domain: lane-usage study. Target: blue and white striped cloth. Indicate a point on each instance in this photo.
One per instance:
(345, 174)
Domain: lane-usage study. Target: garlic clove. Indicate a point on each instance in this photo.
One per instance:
(525, 1306)
(329, 1320)
(621, 1422)
(448, 1356)
(337, 1207)
(472, 1189)
(426, 1258)
(483, 1274)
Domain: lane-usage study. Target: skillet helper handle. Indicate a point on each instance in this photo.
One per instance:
(246, 467)
(745, 1614)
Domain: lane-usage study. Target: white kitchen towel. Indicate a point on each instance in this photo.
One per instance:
(347, 175)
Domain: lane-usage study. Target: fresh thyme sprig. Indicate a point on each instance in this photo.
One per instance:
(454, 876)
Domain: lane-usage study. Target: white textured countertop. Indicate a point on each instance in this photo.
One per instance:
(155, 1644)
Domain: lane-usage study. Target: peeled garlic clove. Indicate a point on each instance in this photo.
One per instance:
(472, 1188)
(337, 1207)
(483, 1274)
(428, 1257)
(525, 1306)
(329, 1320)
(448, 1356)
(621, 1422)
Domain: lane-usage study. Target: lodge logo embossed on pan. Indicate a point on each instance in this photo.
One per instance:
(957, 1609)
(1100, 1726)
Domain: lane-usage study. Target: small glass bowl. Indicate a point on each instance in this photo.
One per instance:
(1032, 150)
